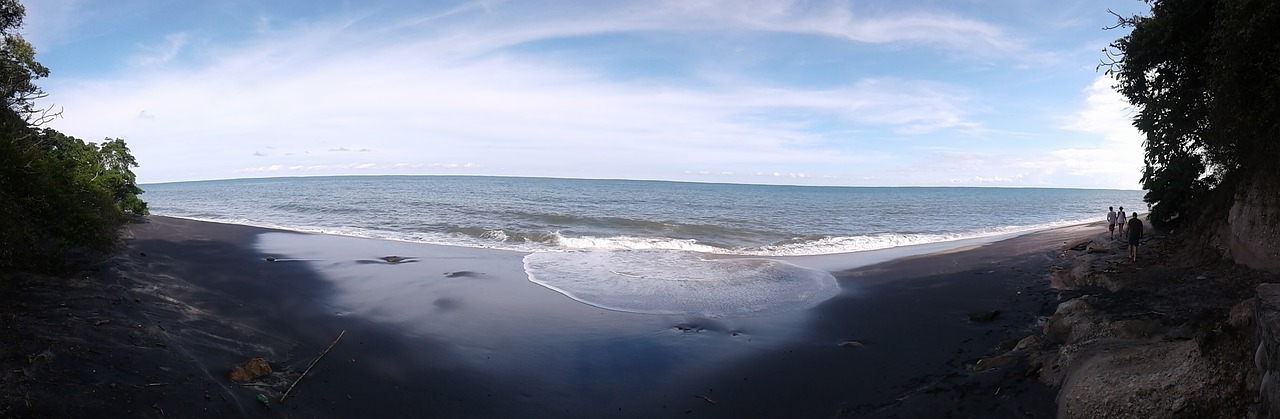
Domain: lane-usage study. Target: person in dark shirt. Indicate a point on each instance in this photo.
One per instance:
(1135, 236)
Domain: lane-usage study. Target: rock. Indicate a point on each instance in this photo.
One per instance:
(984, 316)
(851, 344)
(1145, 381)
(1135, 328)
(1267, 357)
(1241, 317)
(249, 370)
(1097, 249)
(1074, 321)
(994, 362)
(1084, 271)
(1252, 234)
(393, 259)
(1027, 342)
(1077, 245)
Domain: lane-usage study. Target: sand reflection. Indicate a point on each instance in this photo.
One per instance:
(481, 304)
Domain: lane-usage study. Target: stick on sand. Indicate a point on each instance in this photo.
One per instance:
(313, 363)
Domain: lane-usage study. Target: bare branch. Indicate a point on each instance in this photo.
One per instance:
(46, 115)
(1121, 21)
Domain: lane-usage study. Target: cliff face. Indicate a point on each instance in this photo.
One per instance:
(1252, 234)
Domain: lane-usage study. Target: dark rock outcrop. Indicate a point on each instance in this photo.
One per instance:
(1252, 235)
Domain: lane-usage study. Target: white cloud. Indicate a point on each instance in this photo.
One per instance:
(322, 168)
(163, 53)
(841, 20)
(1119, 156)
(474, 83)
(309, 91)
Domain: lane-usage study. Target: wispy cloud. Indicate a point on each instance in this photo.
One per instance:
(516, 88)
(163, 53)
(840, 19)
(401, 98)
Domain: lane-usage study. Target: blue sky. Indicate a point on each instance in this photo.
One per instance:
(950, 93)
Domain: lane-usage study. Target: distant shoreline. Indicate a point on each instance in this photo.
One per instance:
(365, 175)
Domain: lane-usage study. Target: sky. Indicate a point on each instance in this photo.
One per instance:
(852, 93)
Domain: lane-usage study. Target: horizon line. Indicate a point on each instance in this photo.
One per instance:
(635, 180)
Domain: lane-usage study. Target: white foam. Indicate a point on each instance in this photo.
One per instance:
(682, 283)
(633, 243)
(557, 242)
(852, 244)
(497, 235)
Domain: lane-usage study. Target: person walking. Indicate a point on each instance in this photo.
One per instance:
(1120, 222)
(1135, 236)
(1111, 221)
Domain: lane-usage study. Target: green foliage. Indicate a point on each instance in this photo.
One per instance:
(1204, 76)
(1177, 186)
(1246, 83)
(57, 192)
(18, 67)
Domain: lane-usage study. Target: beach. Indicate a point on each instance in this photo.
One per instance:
(462, 332)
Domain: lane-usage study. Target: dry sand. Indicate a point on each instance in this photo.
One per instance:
(460, 332)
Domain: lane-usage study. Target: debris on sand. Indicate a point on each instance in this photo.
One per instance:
(249, 370)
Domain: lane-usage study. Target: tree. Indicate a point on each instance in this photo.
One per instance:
(57, 192)
(115, 164)
(18, 66)
(1204, 77)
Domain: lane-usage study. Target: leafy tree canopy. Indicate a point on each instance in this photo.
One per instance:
(57, 192)
(1204, 77)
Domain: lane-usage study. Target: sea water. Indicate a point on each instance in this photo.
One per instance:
(642, 246)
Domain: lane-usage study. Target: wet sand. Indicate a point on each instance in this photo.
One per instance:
(462, 332)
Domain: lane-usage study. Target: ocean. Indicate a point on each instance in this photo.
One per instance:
(652, 247)
(544, 214)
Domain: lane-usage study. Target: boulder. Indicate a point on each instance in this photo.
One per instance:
(1085, 271)
(1157, 380)
(1242, 314)
(1267, 356)
(1074, 321)
(995, 362)
(1027, 342)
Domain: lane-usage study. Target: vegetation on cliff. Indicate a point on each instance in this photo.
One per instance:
(1204, 78)
(57, 192)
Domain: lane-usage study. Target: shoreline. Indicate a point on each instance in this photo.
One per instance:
(822, 261)
(462, 332)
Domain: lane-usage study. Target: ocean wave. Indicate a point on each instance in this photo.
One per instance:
(542, 241)
(825, 245)
(635, 243)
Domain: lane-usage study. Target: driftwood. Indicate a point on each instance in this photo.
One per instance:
(313, 363)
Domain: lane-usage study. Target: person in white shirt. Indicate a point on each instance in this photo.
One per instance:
(1120, 221)
(1111, 221)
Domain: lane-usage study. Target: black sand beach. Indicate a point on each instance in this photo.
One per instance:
(460, 332)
